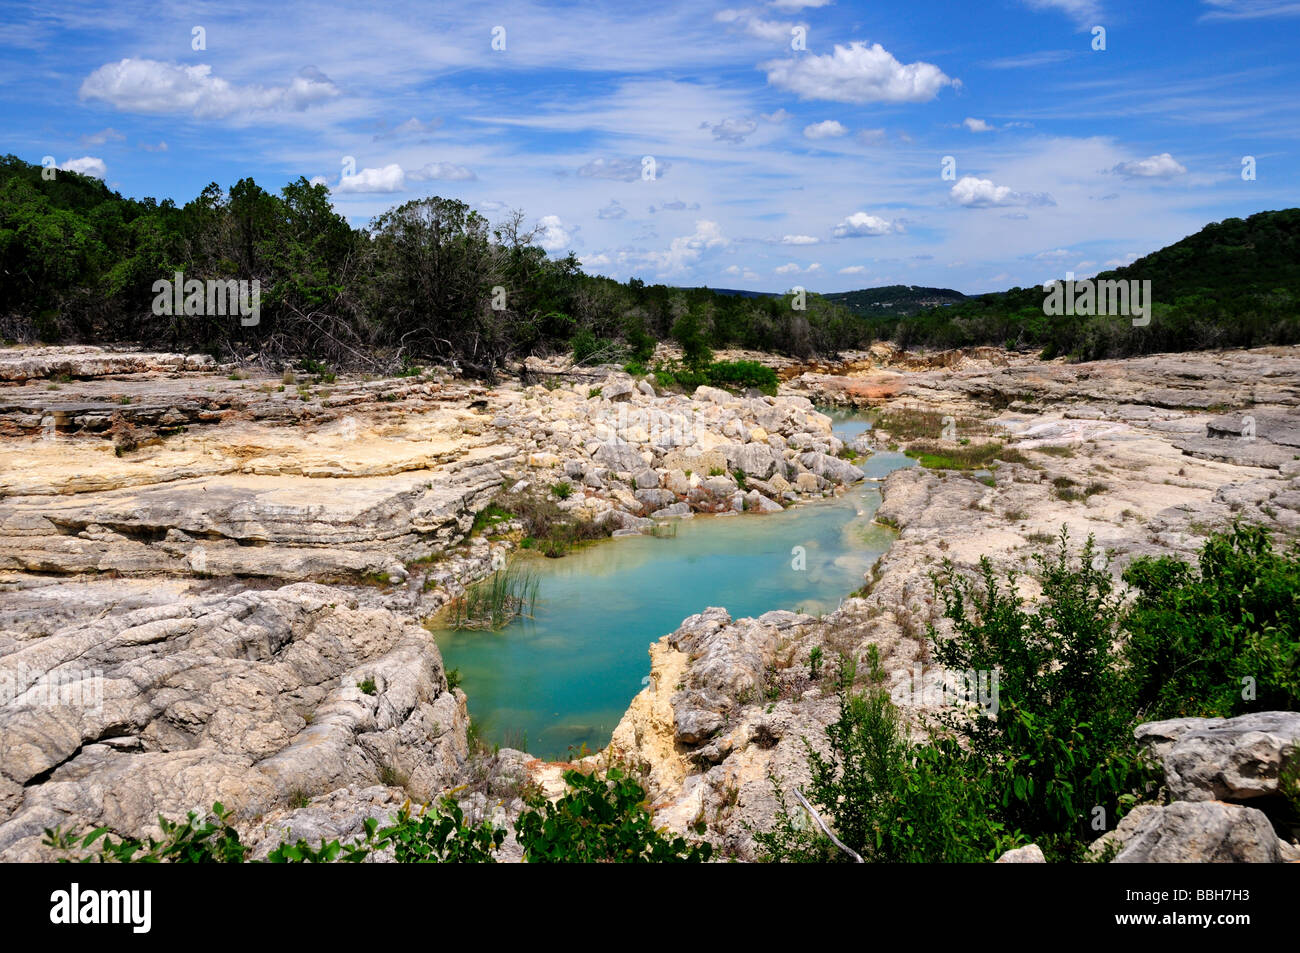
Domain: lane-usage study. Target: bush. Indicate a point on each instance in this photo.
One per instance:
(1219, 639)
(887, 800)
(741, 374)
(1061, 744)
(601, 820)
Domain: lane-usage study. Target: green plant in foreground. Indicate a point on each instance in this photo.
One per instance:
(601, 820)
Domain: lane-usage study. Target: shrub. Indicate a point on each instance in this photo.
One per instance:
(1201, 637)
(601, 820)
(886, 800)
(1061, 743)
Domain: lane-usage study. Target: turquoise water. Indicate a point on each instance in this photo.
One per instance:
(564, 677)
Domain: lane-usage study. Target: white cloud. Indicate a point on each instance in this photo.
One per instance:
(687, 249)
(799, 240)
(555, 236)
(872, 137)
(976, 125)
(854, 270)
(1250, 9)
(149, 147)
(1029, 60)
(1082, 12)
(1055, 254)
(390, 178)
(781, 115)
(621, 169)
(104, 135)
(827, 129)
(731, 130)
(1163, 166)
(151, 86)
(412, 127)
(319, 180)
(441, 170)
(595, 261)
(612, 211)
(775, 31)
(972, 192)
(862, 225)
(799, 4)
(857, 73)
(86, 165)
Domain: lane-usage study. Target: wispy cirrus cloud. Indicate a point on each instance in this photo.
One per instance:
(1250, 9)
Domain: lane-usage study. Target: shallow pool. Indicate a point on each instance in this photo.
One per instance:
(564, 677)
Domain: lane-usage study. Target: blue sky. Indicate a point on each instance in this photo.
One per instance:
(773, 166)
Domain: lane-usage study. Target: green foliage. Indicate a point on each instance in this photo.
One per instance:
(210, 841)
(601, 819)
(562, 490)
(494, 602)
(1061, 743)
(887, 800)
(1232, 284)
(736, 375)
(1200, 636)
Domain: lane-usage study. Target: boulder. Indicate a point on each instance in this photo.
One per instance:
(1234, 759)
(1202, 832)
(619, 456)
(1029, 854)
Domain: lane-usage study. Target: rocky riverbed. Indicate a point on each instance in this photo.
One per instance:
(212, 578)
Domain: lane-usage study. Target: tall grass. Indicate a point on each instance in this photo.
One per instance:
(494, 602)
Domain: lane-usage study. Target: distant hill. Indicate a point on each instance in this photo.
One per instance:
(895, 300)
(1235, 283)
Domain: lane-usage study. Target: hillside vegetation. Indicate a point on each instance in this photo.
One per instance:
(433, 280)
(1232, 284)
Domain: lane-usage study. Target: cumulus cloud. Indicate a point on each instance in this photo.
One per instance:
(554, 236)
(86, 165)
(976, 125)
(441, 170)
(151, 86)
(612, 211)
(744, 272)
(862, 225)
(619, 169)
(686, 249)
(972, 192)
(857, 73)
(731, 130)
(1163, 166)
(390, 178)
(827, 129)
